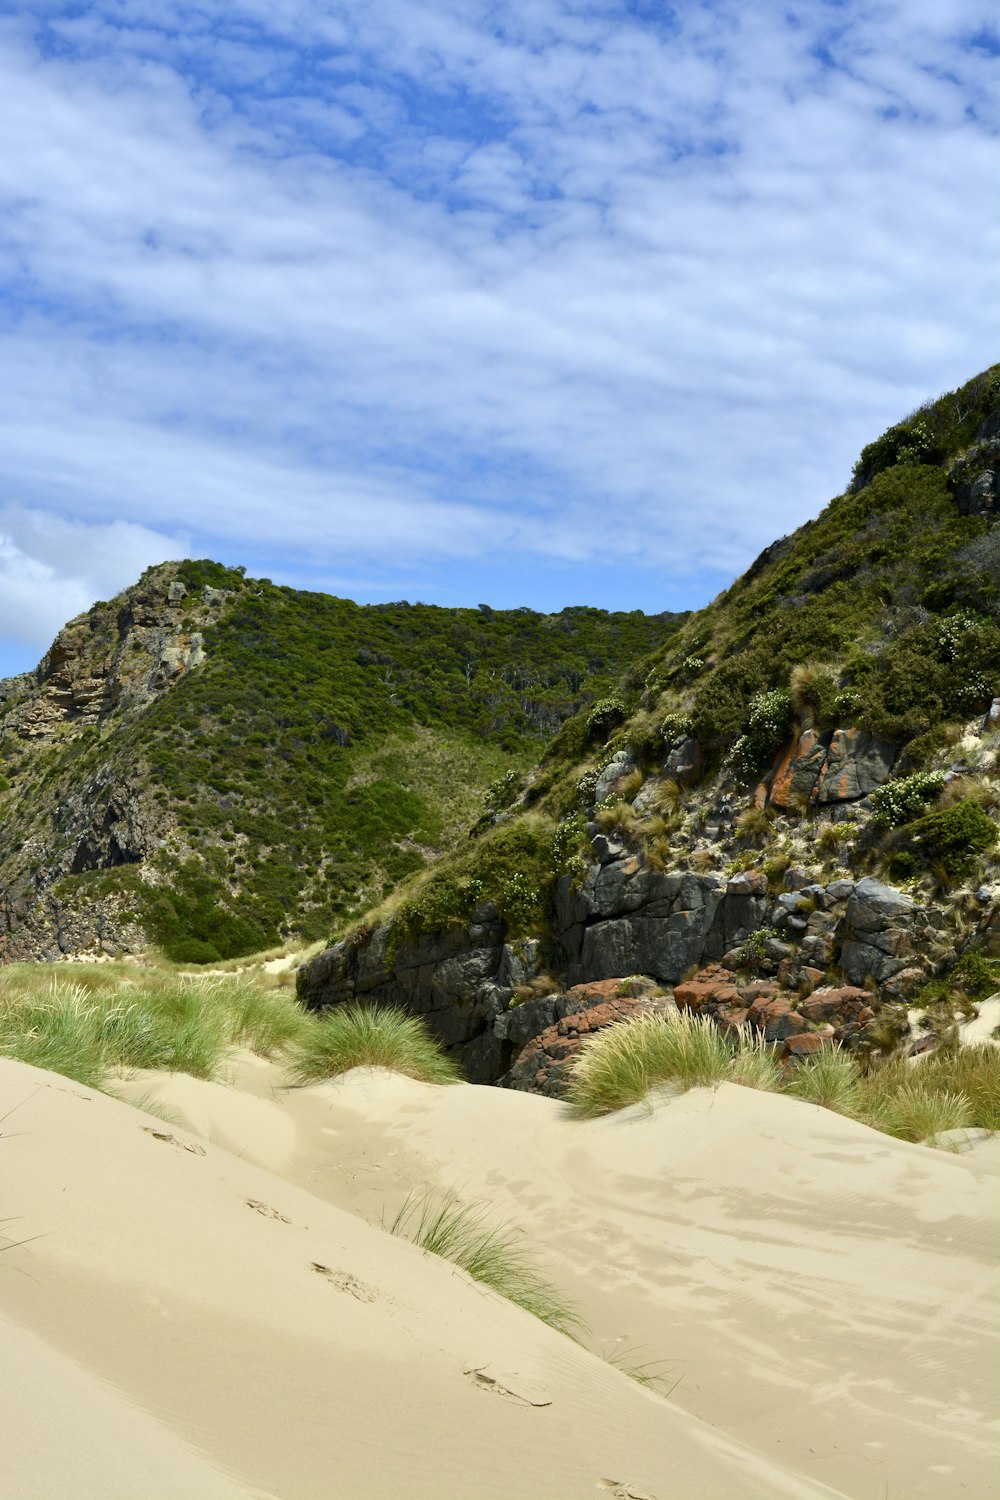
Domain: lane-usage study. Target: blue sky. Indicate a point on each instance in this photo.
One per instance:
(525, 302)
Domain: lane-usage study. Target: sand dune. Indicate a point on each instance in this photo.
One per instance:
(207, 1328)
(821, 1293)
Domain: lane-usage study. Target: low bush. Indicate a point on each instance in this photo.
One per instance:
(897, 802)
(951, 837)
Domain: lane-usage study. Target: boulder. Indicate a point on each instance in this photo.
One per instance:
(831, 767)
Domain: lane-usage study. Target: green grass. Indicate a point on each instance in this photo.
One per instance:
(492, 1254)
(621, 1064)
(91, 1022)
(954, 1088)
(370, 1036)
(919, 1111)
(831, 1080)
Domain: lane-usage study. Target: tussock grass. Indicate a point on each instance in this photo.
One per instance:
(620, 1065)
(90, 1022)
(370, 1036)
(492, 1254)
(831, 1080)
(952, 1089)
(920, 1112)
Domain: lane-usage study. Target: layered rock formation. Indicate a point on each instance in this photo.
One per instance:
(754, 955)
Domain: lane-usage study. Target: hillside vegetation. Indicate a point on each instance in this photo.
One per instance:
(882, 615)
(216, 763)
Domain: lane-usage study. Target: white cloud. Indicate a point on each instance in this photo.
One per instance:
(392, 284)
(52, 568)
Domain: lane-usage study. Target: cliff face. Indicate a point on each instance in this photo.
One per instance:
(214, 764)
(115, 658)
(75, 800)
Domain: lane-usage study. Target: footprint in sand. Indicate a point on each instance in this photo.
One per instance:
(345, 1282)
(620, 1491)
(508, 1383)
(163, 1135)
(266, 1210)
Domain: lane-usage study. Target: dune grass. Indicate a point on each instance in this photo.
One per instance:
(622, 1063)
(954, 1088)
(370, 1036)
(491, 1254)
(920, 1112)
(91, 1022)
(831, 1080)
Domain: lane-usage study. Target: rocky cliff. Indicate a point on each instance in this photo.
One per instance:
(786, 817)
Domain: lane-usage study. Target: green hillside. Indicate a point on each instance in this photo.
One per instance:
(217, 763)
(883, 614)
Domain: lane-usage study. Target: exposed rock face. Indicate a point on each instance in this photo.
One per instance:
(113, 657)
(546, 1054)
(884, 933)
(839, 765)
(452, 979)
(974, 479)
(625, 921)
(114, 660)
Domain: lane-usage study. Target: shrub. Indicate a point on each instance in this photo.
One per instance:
(676, 727)
(501, 793)
(370, 1036)
(898, 801)
(492, 1255)
(605, 716)
(950, 837)
(768, 728)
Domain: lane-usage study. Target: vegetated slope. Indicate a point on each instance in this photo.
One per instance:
(880, 619)
(215, 763)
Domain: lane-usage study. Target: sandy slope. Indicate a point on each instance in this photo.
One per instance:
(187, 1326)
(823, 1293)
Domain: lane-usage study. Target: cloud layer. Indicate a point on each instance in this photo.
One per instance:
(540, 302)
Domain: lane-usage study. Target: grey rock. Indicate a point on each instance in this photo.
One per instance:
(620, 766)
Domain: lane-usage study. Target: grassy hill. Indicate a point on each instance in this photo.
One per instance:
(215, 763)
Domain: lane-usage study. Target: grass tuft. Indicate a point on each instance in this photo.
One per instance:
(91, 1022)
(920, 1112)
(490, 1254)
(831, 1081)
(620, 1065)
(370, 1036)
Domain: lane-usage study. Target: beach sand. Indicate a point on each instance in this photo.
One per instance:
(211, 1310)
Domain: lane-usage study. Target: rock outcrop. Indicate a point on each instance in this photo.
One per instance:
(622, 921)
(839, 765)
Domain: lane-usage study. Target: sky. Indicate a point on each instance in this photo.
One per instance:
(523, 302)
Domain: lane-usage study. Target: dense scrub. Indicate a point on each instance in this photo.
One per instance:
(322, 751)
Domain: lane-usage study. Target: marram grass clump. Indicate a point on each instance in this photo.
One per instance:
(955, 1088)
(370, 1036)
(622, 1063)
(90, 1023)
(491, 1254)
